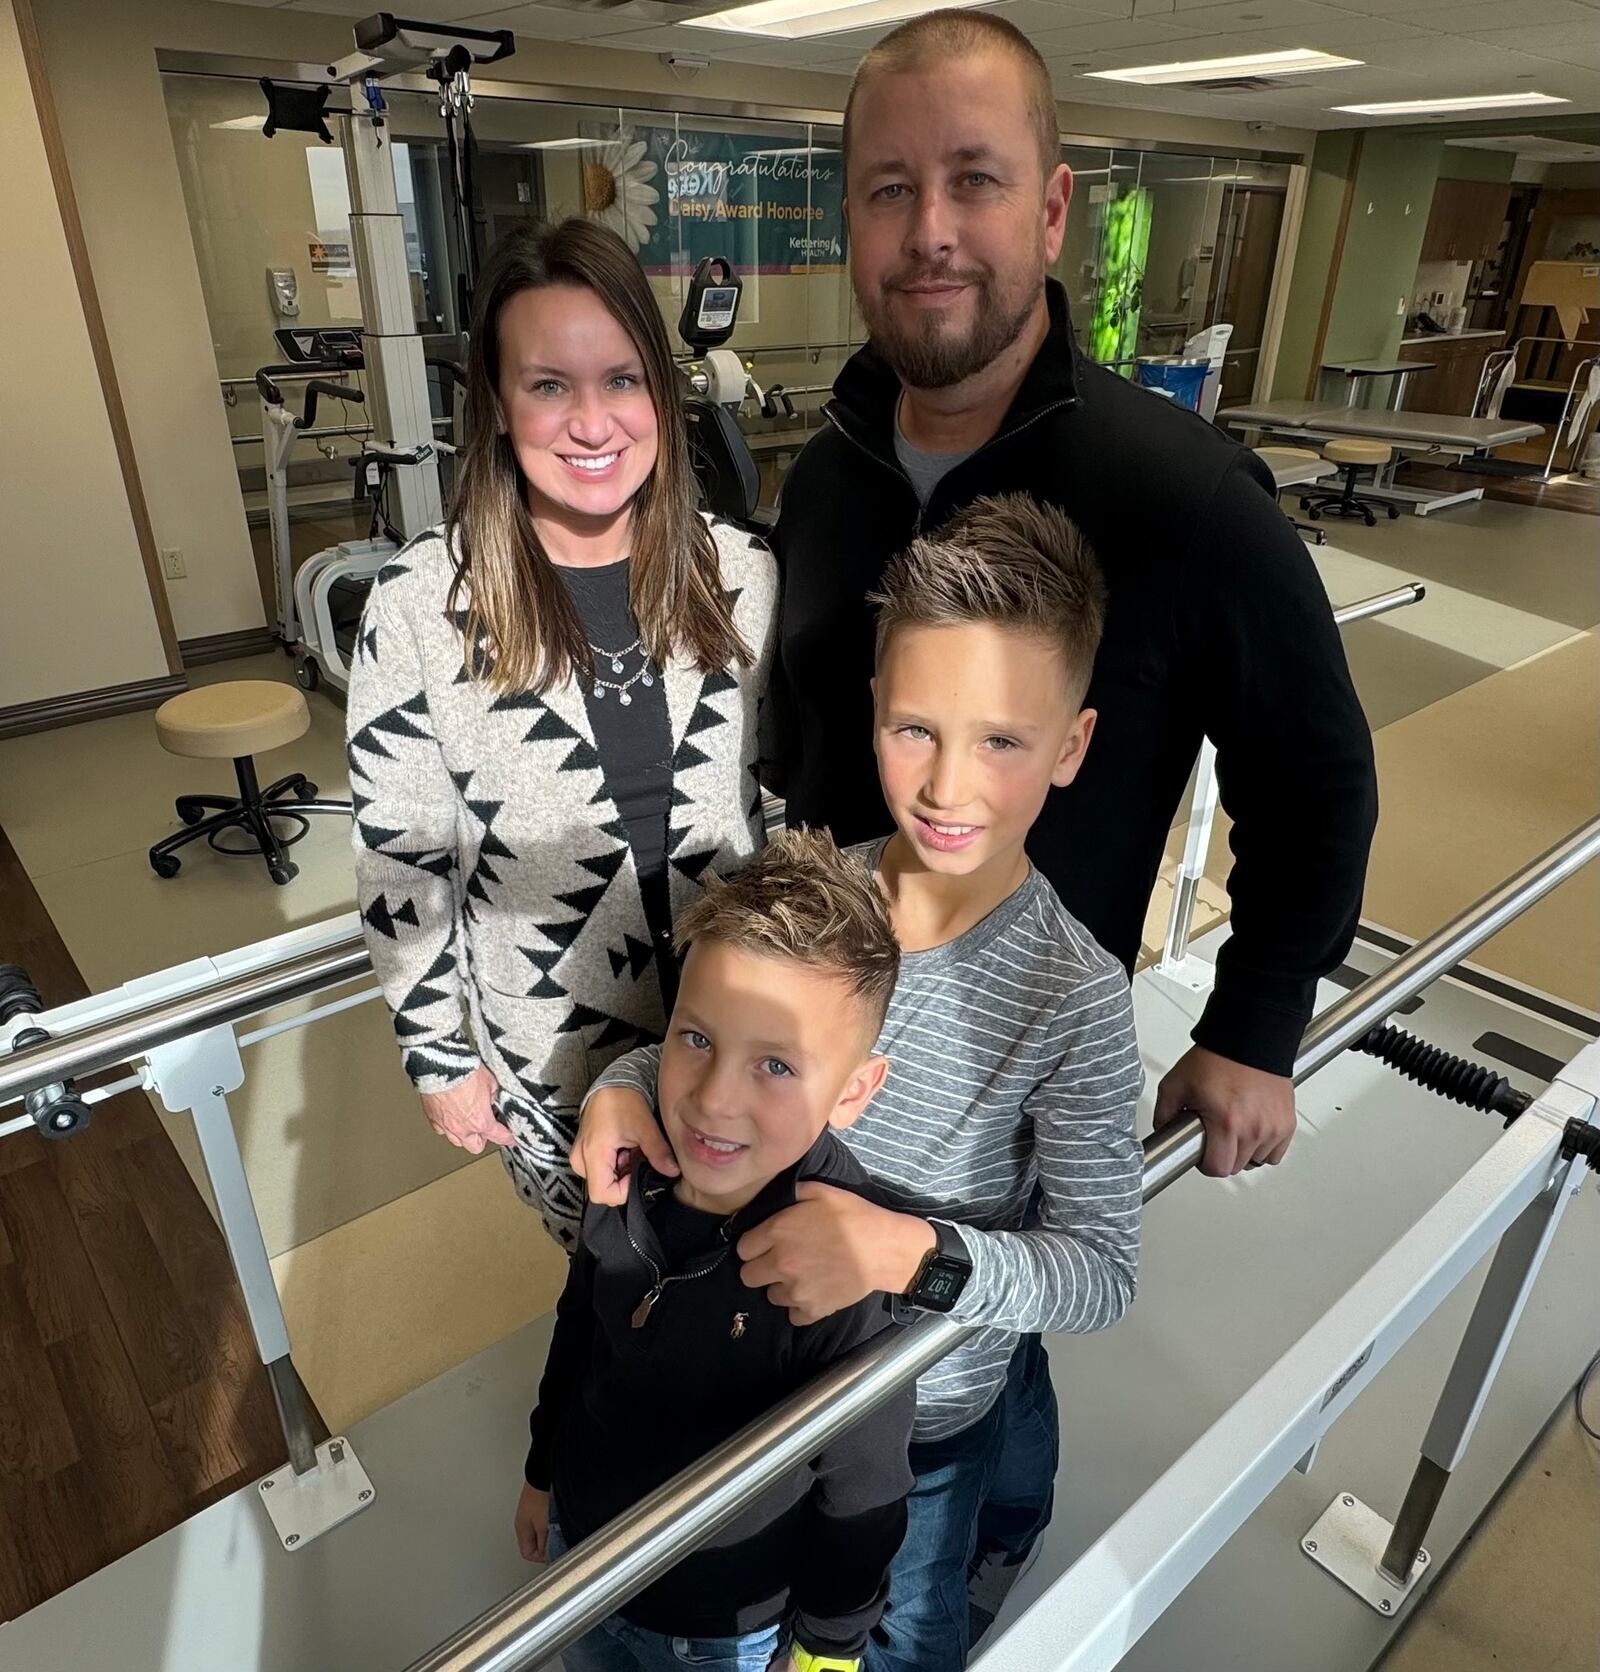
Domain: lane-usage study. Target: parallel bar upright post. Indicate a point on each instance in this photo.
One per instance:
(1483, 1348)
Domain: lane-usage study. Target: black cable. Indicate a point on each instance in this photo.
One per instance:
(1577, 1399)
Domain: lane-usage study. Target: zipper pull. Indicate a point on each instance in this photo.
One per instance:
(641, 1313)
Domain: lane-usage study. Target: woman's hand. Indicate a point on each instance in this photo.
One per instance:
(465, 1113)
(533, 1524)
(615, 1125)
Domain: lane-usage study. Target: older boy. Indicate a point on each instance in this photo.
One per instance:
(1004, 1144)
(660, 1352)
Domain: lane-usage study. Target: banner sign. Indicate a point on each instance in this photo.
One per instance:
(767, 204)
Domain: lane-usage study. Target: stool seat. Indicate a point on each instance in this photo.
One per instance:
(1353, 450)
(225, 722)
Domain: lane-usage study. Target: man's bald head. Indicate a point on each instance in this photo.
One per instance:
(938, 37)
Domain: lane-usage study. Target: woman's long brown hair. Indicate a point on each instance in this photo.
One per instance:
(521, 627)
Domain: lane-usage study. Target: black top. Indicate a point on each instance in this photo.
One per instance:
(623, 1408)
(1217, 626)
(633, 735)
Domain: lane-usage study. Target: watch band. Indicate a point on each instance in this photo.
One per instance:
(805, 1661)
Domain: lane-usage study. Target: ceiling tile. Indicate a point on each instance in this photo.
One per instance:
(1493, 22)
(1247, 14)
(1098, 37)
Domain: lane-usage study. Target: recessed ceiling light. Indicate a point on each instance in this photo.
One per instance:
(1477, 101)
(798, 20)
(1299, 61)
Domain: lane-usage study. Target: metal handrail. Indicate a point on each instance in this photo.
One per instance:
(638, 1546)
(126, 1038)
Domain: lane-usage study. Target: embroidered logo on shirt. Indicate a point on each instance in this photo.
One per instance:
(740, 1319)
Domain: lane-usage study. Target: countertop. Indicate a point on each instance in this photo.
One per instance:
(1418, 338)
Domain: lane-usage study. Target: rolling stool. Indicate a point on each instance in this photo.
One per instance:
(236, 722)
(1318, 536)
(1354, 454)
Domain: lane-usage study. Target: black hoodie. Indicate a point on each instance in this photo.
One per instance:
(1217, 626)
(623, 1407)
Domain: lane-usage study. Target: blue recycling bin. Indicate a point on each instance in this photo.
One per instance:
(1182, 379)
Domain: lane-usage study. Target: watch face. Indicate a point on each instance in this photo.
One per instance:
(943, 1282)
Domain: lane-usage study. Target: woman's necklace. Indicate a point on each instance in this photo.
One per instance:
(640, 676)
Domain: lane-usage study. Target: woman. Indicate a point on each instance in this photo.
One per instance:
(552, 714)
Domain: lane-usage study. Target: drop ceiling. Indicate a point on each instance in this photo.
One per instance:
(1411, 48)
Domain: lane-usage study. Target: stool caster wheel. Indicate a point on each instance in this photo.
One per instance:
(1372, 521)
(1394, 511)
(307, 675)
(165, 864)
(1315, 516)
(188, 813)
(284, 873)
(308, 790)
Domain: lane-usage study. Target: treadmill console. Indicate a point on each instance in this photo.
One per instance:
(320, 345)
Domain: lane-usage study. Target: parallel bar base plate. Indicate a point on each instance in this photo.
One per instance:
(1198, 975)
(1348, 1540)
(302, 1507)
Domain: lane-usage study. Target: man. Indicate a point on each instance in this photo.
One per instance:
(1218, 625)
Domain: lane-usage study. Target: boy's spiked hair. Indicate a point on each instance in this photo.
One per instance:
(1010, 561)
(801, 898)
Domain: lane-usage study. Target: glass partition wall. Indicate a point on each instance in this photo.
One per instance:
(1158, 245)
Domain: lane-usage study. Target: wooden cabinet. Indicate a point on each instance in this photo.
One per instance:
(1465, 221)
(1453, 382)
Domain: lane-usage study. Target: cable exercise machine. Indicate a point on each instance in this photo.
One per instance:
(318, 609)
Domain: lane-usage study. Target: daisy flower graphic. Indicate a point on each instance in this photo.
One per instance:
(616, 188)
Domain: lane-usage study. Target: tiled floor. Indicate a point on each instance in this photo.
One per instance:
(397, 1257)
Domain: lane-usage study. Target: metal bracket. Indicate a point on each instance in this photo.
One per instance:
(1195, 975)
(1348, 1540)
(303, 1507)
(189, 1072)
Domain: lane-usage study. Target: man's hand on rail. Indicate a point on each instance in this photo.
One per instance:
(533, 1524)
(465, 1113)
(616, 1125)
(830, 1250)
(1247, 1113)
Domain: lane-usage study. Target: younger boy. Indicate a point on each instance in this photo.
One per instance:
(660, 1352)
(1004, 1145)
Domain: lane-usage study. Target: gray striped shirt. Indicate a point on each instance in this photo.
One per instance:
(1013, 1064)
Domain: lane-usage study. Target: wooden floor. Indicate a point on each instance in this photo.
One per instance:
(1571, 495)
(131, 1395)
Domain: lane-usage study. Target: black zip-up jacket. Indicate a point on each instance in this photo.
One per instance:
(623, 1408)
(1217, 626)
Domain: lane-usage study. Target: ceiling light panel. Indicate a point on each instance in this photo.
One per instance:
(795, 20)
(1425, 107)
(1291, 61)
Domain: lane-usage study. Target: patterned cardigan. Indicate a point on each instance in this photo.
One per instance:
(497, 889)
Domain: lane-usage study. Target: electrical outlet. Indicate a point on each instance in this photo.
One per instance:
(172, 563)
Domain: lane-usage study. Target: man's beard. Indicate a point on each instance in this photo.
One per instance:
(928, 356)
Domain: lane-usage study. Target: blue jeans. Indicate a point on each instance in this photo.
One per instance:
(615, 1645)
(1022, 1494)
(925, 1626)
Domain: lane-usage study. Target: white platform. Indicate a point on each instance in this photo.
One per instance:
(1232, 1274)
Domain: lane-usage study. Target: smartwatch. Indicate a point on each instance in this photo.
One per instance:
(805, 1661)
(942, 1275)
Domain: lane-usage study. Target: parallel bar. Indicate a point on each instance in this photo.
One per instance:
(625, 1555)
(1203, 803)
(1341, 1024)
(109, 1044)
(1090, 1618)
(636, 1548)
